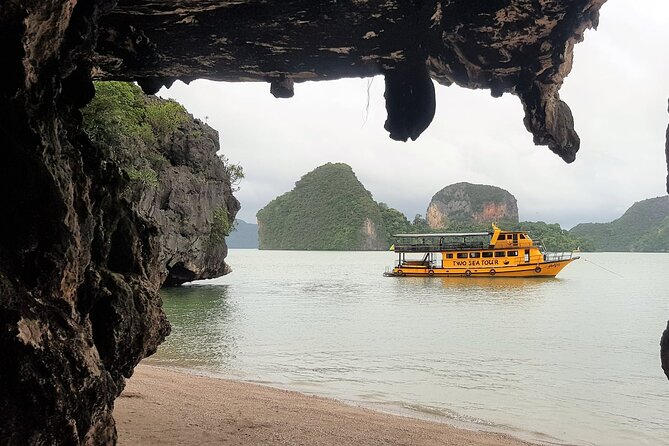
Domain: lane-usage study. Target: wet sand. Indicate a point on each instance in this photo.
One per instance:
(165, 407)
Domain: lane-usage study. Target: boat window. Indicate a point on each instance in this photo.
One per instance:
(512, 253)
(474, 255)
(501, 237)
(487, 254)
(462, 255)
(500, 254)
(449, 255)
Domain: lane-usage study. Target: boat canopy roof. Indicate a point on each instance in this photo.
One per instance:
(445, 234)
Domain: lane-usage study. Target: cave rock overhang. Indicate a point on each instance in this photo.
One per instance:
(523, 47)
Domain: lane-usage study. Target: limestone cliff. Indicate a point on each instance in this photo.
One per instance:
(329, 209)
(176, 180)
(466, 203)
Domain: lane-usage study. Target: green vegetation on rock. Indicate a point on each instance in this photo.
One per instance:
(120, 115)
(171, 174)
(329, 209)
(146, 176)
(394, 222)
(643, 227)
(220, 227)
(128, 125)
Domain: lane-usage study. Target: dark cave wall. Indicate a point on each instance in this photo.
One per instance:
(78, 290)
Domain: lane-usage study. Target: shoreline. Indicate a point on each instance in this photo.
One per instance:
(174, 407)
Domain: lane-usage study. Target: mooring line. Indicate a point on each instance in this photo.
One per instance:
(605, 269)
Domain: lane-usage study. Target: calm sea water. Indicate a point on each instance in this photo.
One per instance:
(567, 360)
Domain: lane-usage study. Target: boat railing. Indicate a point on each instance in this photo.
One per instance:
(436, 247)
(557, 256)
(416, 263)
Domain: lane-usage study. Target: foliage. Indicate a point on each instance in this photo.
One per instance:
(120, 114)
(234, 171)
(116, 115)
(133, 129)
(220, 226)
(165, 116)
(326, 210)
(655, 240)
(643, 227)
(419, 225)
(394, 222)
(146, 176)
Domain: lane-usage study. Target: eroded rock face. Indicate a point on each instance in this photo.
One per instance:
(191, 193)
(522, 47)
(80, 266)
(471, 203)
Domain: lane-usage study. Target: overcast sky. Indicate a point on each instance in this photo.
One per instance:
(617, 90)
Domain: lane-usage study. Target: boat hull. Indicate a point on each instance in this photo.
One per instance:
(542, 269)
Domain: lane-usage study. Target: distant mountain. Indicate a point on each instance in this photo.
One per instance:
(244, 235)
(644, 227)
(465, 203)
(329, 209)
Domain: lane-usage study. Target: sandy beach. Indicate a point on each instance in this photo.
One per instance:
(165, 407)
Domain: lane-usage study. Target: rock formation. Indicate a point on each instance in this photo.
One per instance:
(329, 209)
(644, 227)
(176, 179)
(190, 202)
(80, 267)
(515, 46)
(466, 203)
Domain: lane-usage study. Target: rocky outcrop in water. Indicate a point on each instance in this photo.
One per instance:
(329, 209)
(176, 182)
(80, 266)
(466, 203)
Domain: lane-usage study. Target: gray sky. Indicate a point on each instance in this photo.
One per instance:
(617, 90)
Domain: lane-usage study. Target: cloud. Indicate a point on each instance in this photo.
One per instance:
(618, 92)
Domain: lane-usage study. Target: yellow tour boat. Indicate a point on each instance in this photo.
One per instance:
(475, 254)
